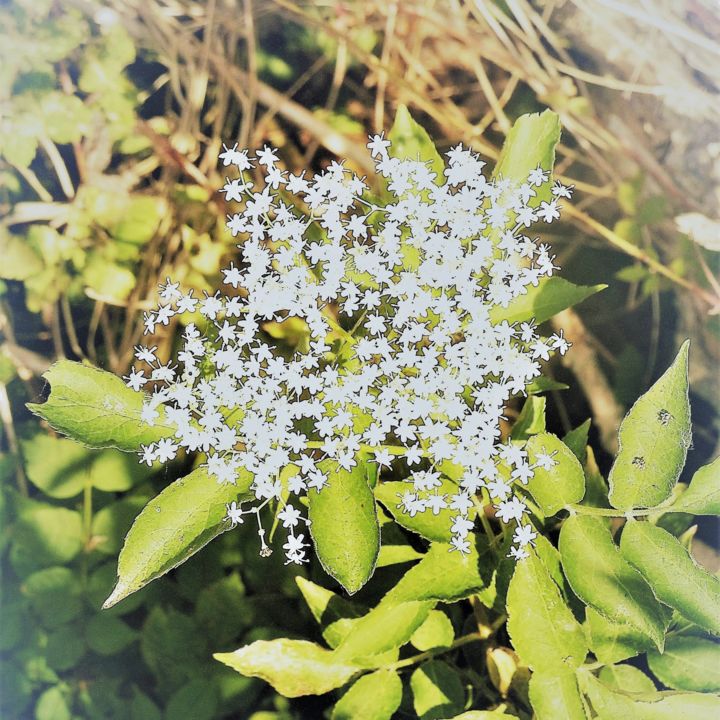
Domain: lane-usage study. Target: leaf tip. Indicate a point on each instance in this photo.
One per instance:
(118, 594)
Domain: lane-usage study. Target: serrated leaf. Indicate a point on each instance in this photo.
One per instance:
(387, 626)
(437, 691)
(530, 143)
(375, 696)
(611, 641)
(672, 574)
(183, 518)
(445, 575)
(627, 678)
(344, 526)
(703, 494)
(293, 667)
(613, 704)
(654, 440)
(436, 632)
(541, 626)
(603, 579)
(688, 662)
(563, 484)
(96, 408)
(541, 302)
(555, 696)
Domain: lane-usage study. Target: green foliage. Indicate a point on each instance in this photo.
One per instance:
(703, 494)
(672, 574)
(556, 696)
(437, 691)
(654, 440)
(96, 408)
(570, 615)
(541, 302)
(604, 580)
(372, 697)
(688, 662)
(541, 626)
(564, 483)
(181, 520)
(345, 526)
(293, 667)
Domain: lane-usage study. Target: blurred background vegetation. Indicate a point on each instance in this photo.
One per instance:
(112, 115)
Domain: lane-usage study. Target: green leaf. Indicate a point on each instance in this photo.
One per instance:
(54, 595)
(436, 632)
(65, 647)
(335, 614)
(530, 142)
(541, 626)
(688, 663)
(611, 641)
(46, 536)
(385, 627)
(612, 704)
(577, 440)
(51, 705)
(555, 696)
(703, 494)
(561, 485)
(437, 691)
(410, 141)
(344, 526)
(426, 524)
(221, 610)
(531, 419)
(198, 700)
(445, 575)
(111, 524)
(57, 466)
(107, 635)
(183, 518)
(672, 574)
(61, 468)
(601, 577)
(627, 678)
(397, 554)
(654, 440)
(540, 303)
(372, 697)
(293, 667)
(96, 408)
(173, 648)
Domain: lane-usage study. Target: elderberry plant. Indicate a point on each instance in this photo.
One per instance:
(415, 301)
(421, 377)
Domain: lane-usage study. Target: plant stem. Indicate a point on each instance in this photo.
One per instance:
(428, 654)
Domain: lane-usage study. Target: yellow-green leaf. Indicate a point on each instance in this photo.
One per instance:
(654, 440)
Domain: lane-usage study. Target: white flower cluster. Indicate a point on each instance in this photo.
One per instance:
(403, 364)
